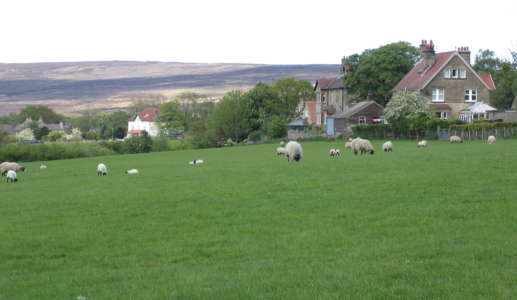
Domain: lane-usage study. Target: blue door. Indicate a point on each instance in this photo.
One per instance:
(330, 126)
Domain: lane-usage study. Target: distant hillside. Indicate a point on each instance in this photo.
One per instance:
(108, 86)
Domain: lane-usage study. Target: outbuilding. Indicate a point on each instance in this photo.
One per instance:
(362, 113)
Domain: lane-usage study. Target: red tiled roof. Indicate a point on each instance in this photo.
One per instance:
(415, 80)
(323, 83)
(440, 106)
(488, 80)
(146, 114)
(331, 110)
(311, 106)
(135, 131)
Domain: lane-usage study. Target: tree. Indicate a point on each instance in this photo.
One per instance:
(376, 72)
(55, 135)
(74, 135)
(231, 115)
(278, 128)
(41, 132)
(48, 114)
(151, 101)
(171, 121)
(408, 111)
(139, 144)
(26, 135)
(289, 94)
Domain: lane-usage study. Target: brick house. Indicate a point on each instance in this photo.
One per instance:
(448, 81)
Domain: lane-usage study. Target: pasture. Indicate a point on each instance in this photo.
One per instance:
(416, 223)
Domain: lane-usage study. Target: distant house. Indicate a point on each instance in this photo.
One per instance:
(362, 113)
(63, 128)
(144, 120)
(448, 81)
(298, 125)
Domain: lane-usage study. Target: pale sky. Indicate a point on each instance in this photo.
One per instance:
(259, 32)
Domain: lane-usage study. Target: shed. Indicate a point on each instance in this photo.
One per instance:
(298, 125)
(363, 113)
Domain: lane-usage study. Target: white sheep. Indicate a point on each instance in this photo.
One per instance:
(101, 169)
(362, 145)
(132, 171)
(282, 144)
(348, 145)
(388, 146)
(423, 143)
(491, 140)
(337, 152)
(197, 161)
(280, 150)
(294, 151)
(6, 166)
(456, 139)
(332, 152)
(43, 167)
(350, 139)
(12, 175)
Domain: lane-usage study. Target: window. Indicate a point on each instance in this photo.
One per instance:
(463, 73)
(454, 73)
(362, 120)
(438, 115)
(437, 95)
(444, 116)
(470, 96)
(322, 98)
(441, 115)
(447, 73)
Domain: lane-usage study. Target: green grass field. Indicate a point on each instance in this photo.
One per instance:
(417, 223)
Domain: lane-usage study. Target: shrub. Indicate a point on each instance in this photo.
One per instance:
(161, 145)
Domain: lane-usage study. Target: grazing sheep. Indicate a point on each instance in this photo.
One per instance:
(456, 139)
(388, 146)
(348, 145)
(12, 175)
(282, 144)
(43, 167)
(101, 169)
(197, 161)
(132, 171)
(362, 145)
(280, 150)
(294, 151)
(6, 166)
(332, 152)
(350, 139)
(337, 152)
(491, 140)
(422, 144)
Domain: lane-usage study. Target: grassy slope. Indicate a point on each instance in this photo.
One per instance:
(433, 222)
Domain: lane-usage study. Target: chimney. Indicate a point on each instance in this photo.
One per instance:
(136, 109)
(343, 70)
(422, 48)
(465, 53)
(427, 55)
(40, 119)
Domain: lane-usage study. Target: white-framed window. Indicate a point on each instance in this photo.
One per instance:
(441, 115)
(362, 120)
(454, 73)
(444, 115)
(471, 95)
(438, 115)
(447, 73)
(463, 73)
(437, 95)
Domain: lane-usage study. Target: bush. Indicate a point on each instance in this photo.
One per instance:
(278, 129)
(161, 145)
(256, 136)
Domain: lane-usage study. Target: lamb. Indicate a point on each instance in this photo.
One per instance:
(132, 171)
(337, 152)
(280, 150)
(388, 146)
(12, 175)
(294, 151)
(456, 139)
(332, 152)
(348, 145)
(423, 143)
(491, 140)
(6, 166)
(196, 161)
(362, 145)
(282, 144)
(43, 167)
(101, 169)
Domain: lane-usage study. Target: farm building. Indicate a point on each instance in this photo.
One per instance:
(362, 113)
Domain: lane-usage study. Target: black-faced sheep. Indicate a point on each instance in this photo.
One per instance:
(421, 144)
(6, 166)
(332, 152)
(388, 146)
(12, 175)
(362, 145)
(456, 139)
(102, 170)
(338, 153)
(132, 171)
(197, 161)
(294, 151)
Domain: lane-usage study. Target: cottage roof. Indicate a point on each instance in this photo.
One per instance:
(355, 109)
(148, 114)
(477, 108)
(418, 78)
(297, 123)
(311, 106)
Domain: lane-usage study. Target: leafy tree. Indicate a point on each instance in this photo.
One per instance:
(231, 115)
(114, 124)
(289, 93)
(171, 121)
(408, 110)
(8, 119)
(138, 144)
(43, 131)
(376, 72)
(26, 135)
(74, 135)
(278, 128)
(92, 135)
(48, 114)
(55, 135)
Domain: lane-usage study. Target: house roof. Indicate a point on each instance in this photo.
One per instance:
(355, 109)
(418, 78)
(330, 83)
(478, 107)
(146, 114)
(311, 106)
(440, 106)
(135, 131)
(301, 122)
(323, 83)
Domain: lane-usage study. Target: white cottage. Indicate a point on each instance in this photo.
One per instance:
(144, 120)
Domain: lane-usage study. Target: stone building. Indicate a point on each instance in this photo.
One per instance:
(448, 81)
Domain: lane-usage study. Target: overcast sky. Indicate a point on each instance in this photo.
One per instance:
(259, 32)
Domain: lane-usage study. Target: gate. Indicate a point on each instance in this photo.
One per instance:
(443, 134)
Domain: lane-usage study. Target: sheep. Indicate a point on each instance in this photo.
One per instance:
(491, 140)
(332, 152)
(43, 167)
(6, 166)
(348, 145)
(196, 161)
(422, 144)
(12, 175)
(282, 144)
(294, 151)
(362, 145)
(456, 139)
(350, 139)
(280, 150)
(388, 146)
(101, 169)
(337, 152)
(132, 171)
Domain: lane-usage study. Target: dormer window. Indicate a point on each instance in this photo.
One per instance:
(454, 73)
(463, 73)
(447, 73)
